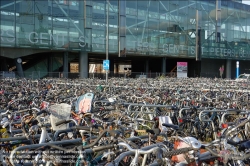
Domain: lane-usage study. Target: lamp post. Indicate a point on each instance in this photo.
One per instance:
(107, 35)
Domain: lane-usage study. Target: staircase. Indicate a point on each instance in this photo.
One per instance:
(173, 72)
(40, 69)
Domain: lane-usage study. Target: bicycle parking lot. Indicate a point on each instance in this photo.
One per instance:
(144, 121)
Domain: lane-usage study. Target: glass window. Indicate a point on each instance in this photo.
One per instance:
(182, 39)
(154, 6)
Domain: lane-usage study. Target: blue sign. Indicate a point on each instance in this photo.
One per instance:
(237, 69)
(105, 64)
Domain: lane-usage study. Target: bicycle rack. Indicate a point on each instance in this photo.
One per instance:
(143, 106)
(36, 146)
(209, 120)
(108, 102)
(232, 112)
(20, 138)
(189, 108)
(183, 109)
(134, 104)
(152, 106)
(124, 154)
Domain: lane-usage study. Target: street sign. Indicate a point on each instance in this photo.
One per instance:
(105, 64)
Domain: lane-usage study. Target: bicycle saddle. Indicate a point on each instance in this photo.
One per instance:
(153, 131)
(175, 127)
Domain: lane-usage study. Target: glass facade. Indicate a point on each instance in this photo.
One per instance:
(140, 27)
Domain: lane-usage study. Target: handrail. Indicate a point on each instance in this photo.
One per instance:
(173, 69)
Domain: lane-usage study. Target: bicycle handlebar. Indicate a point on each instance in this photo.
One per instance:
(140, 151)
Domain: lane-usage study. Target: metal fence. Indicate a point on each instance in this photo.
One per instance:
(40, 74)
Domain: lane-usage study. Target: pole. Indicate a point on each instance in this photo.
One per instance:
(198, 32)
(237, 69)
(107, 35)
(218, 21)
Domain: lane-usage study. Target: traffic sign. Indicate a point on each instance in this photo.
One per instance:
(105, 64)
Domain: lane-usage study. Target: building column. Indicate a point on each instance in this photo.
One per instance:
(19, 67)
(65, 64)
(163, 68)
(84, 64)
(229, 69)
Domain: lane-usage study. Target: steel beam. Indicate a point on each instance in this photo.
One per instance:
(144, 26)
(208, 15)
(9, 4)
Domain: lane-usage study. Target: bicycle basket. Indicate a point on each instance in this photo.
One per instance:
(59, 112)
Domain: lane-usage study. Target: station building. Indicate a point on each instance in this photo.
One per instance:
(150, 36)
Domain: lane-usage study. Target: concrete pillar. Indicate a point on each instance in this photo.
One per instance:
(84, 64)
(229, 69)
(19, 67)
(163, 68)
(65, 64)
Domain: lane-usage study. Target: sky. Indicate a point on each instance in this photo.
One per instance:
(246, 1)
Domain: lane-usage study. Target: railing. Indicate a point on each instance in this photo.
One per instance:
(40, 74)
(211, 75)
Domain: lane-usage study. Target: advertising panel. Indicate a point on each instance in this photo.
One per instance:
(181, 69)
